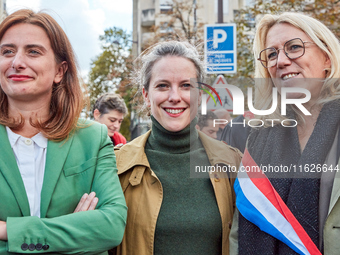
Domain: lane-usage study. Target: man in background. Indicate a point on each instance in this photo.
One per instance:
(222, 114)
(110, 109)
(206, 124)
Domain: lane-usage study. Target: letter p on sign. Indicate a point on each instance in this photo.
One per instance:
(219, 37)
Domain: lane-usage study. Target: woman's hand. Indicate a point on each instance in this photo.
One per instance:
(87, 202)
(3, 231)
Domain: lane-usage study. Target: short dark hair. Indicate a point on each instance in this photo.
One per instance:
(203, 119)
(108, 102)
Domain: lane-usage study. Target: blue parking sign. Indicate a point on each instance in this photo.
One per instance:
(220, 48)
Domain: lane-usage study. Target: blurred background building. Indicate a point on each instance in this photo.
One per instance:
(156, 16)
(3, 11)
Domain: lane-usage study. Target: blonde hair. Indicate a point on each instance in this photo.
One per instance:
(320, 35)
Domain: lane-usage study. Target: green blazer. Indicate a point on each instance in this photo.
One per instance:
(83, 163)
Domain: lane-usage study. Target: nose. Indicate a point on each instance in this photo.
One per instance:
(18, 61)
(116, 125)
(174, 96)
(282, 59)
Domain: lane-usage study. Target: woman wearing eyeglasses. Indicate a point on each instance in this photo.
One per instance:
(303, 215)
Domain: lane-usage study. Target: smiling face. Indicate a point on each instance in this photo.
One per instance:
(169, 93)
(311, 65)
(27, 65)
(113, 120)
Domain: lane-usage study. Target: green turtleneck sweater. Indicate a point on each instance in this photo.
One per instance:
(189, 221)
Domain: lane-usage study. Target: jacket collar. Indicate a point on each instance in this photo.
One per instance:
(335, 194)
(216, 150)
(133, 154)
(56, 156)
(10, 171)
(55, 159)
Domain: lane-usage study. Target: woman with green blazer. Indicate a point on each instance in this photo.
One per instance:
(58, 182)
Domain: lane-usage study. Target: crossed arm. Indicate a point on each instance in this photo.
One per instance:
(88, 202)
(85, 230)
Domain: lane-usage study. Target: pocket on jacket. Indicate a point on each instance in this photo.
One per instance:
(80, 168)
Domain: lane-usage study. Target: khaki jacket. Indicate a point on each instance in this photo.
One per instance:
(332, 225)
(144, 194)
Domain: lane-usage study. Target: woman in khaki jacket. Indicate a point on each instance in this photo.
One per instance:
(175, 180)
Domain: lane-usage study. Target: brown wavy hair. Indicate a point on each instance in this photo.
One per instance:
(67, 99)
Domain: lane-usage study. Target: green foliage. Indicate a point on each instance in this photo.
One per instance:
(183, 24)
(110, 71)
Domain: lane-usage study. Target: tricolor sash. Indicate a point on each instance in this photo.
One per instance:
(259, 203)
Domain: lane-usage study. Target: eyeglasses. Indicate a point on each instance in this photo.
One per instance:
(293, 49)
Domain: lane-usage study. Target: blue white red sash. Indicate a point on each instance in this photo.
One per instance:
(258, 202)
